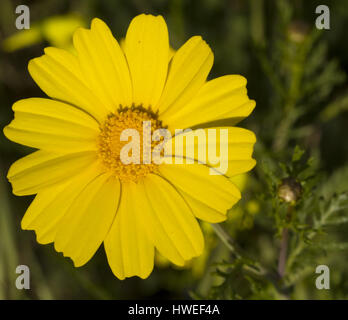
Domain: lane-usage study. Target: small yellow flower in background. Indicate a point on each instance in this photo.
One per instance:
(242, 218)
(56, 30)
(85, 195)
(22, 39)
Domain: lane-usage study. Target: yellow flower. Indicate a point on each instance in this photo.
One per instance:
(85, 195)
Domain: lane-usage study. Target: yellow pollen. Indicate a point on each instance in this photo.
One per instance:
(110, 144)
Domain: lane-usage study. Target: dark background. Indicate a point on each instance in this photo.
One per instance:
(266, 42)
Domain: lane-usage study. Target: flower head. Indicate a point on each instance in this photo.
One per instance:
(86, 194)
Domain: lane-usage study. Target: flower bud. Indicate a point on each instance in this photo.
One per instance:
(298, 31)
(289, 190)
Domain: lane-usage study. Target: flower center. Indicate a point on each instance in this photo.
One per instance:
(110, 143)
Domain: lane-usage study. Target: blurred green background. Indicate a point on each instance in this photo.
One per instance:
(296, 74)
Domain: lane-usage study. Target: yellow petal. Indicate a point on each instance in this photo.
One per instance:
(89, 218)
(147, 51)
(104, 65)
(52, 125)
(209, 196)
(171, 50)
(171, 53)
(173, 228)
(58, 74)
(221, 98)
(239, 141)
(156, 231)
(127, 245)
(42, 169)
(188, 71)
(50, 205)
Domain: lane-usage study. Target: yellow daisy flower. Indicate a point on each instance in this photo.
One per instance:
(85, 195)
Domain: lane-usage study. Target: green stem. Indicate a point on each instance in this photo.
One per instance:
(291, 111)
(302, 245)
(256, 269)
(283, 253)
(257, 22)
(226, 239)
(8, 250)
